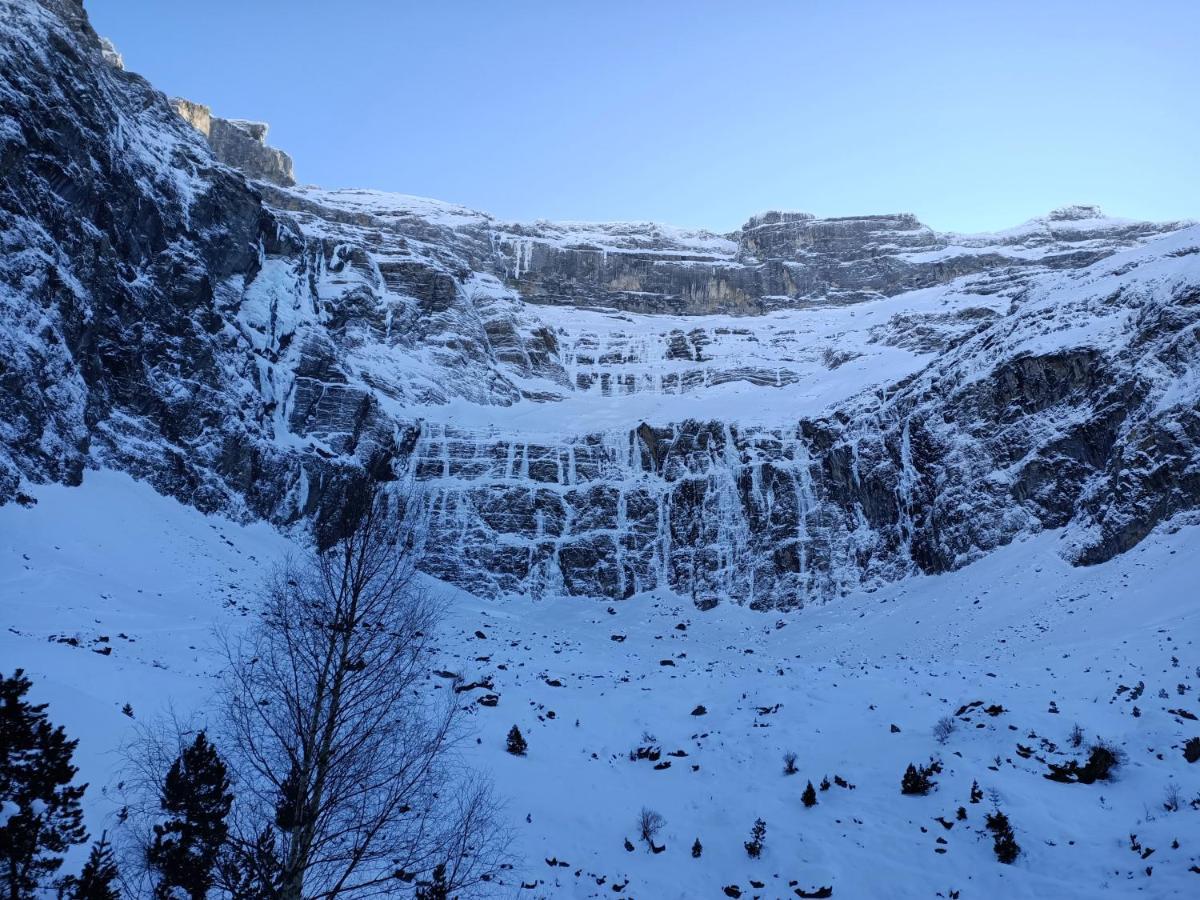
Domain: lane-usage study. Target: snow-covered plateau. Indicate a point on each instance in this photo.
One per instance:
(830, 479)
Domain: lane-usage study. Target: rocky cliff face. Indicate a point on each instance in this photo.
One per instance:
(781, 260)
(238, 143)
(767, 417)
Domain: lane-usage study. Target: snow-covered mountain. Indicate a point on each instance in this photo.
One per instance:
(767, 417)
(197, 355)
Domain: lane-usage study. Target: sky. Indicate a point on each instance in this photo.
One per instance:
(972, 115)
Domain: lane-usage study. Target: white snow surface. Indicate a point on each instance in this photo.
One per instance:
(392, 206)
(111, 564)
(784, 348)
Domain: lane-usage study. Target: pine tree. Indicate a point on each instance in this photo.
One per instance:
(253, 871)
(916, 779)
(436, 888)
(976, 792)
(758, 834)
(196, 796)
(289, 809)
(1004, 842)
(697, 849)
(96, 881)
(42, 814)
(809, 797)
(516, 742)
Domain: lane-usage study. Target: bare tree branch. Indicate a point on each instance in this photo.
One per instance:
(331, 730)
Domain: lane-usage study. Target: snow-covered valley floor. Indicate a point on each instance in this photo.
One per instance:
(109, 593)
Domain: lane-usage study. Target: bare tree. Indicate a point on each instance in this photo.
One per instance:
(1172, 797)
(789, 763)
(944, 728)
(649, 824)
(331, 728)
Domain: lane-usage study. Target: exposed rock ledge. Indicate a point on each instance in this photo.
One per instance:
(238, 143)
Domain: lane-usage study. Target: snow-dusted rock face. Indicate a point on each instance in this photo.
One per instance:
(767, 417)
(780, 260)
(239, 143)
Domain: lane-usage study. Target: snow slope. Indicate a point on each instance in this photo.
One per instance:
(111, 564)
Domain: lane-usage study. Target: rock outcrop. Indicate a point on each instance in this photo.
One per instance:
(784, 260)
(770, 417)
(111, 54)
(239, 143)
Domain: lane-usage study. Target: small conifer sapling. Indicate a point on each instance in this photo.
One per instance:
(758, 835)
(516, 742)
(809, 797)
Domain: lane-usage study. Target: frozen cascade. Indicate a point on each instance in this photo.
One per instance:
(712, 512)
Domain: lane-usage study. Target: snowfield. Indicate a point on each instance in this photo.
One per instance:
(110, 593)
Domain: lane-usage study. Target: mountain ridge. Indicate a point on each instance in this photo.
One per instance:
(827, 405)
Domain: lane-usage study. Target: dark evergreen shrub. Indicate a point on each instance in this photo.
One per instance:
(809, 797)
(758, 835)
(917, 781)
(1004, 842)
(516, 742)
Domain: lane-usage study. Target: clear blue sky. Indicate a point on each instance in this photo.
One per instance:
(972, 114)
